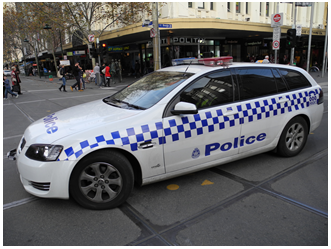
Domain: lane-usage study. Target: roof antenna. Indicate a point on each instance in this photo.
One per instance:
(187, 68)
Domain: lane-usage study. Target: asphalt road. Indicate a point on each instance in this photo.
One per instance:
(263, 200)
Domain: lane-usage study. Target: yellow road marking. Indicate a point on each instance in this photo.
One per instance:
(173, 187)
(206, 182)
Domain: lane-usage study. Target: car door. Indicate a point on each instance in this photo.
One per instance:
(263, 101)
(212, 133)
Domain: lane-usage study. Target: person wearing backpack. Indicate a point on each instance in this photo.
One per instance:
(63, 73)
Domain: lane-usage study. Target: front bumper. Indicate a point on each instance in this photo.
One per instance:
(44, 179)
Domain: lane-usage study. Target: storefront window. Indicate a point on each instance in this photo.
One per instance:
(201, 5)
(229, 7)
(211, 6)
(237, 7)
(190, 4)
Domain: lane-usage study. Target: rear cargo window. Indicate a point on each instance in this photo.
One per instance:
(294, 79)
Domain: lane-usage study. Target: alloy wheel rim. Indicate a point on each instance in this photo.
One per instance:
(294, 137)
(100, 182)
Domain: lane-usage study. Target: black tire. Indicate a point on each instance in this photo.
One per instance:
(103, 180)
(293, 138)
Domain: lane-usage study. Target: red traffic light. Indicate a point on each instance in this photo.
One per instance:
(104, 45)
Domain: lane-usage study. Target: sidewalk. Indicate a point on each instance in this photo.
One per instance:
(125, 81)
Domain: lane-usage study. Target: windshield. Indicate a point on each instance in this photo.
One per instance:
(147, 91)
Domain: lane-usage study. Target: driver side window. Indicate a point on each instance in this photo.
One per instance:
(211, 90)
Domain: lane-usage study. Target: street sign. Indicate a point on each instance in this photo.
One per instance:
(91, 38)
(161, 25)
(277, 20)
(276, 38)
(275, 45)
(299, 29)
(152, 33)
(165, 26)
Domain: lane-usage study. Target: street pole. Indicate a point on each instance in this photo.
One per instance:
(310, 32)
(324, 54)
(280, 35)
(156, 39)
(294, 27)
(99, 60)
(36, 52)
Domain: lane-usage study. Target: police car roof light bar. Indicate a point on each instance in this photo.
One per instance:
(217, 61)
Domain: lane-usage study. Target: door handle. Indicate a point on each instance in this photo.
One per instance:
(282, 100)
(146, 145)
(230, 113)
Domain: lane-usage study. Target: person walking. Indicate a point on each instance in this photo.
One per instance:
(119, 70)
(97, 73)
(16, 80)
(63, 73)
(82, 72)
(102, 75)
(108, 75)
(77, 77)
(8, 88)
(266, 60)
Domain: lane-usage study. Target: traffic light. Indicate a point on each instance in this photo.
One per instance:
(93, 51)
(299, 41)
(291, 38)
(104, 48)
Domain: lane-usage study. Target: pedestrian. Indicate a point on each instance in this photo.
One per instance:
(108, 75)
(102, 75)
(8, 88)
(137, 69)
(82, 73)
(97, 73)
(16, 80)
(77, 77)
(113, 71)
(63, 73)
(266, 60)
(119, 70)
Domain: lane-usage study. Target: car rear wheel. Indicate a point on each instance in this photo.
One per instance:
(293, 138)
(102, 180)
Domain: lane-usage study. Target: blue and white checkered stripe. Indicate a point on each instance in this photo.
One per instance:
(192, 125)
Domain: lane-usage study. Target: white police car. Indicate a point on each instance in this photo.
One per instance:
(171, 122)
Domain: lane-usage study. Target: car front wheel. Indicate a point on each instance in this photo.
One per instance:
(293, 138)
(102, 180)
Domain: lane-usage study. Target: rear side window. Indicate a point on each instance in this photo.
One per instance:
(294, 79)
(281, 86)
(211, 90)
(256, 82)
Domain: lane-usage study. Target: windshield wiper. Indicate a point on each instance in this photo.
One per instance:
(131, 105)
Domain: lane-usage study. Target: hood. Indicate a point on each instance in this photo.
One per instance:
(76, 119)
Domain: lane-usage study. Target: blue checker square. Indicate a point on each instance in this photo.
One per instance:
(239, 108)
(204, 123)
(232, 123)
(185, 120)
(172, 123)
(180, 128)
(254, 111)
(188, 134)
(275, 112)
(134, 147)
(200, 131)
(125, 140)
(78, 153)
(257, 104)
(250, 118)
(100, 139)
(222, 126)
(175, 137)
(248, 106)
(111, 141)
(159, 125)
(193, 126)
(116, 135)
(215, 120)
(259, 116)
(130, 131)
(162, 140)
(241, 120)
(210, 128)
(208, 115)
(167, 131)
(69, 152)
(84, 144)
(145, 128)
(197, 117)
(219, 112)
(140, 137)
(245, 113)
(94, 145)
(265, 102)
(154, 134)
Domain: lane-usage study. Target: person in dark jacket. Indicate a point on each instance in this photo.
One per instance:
(76, 72)
(102, 76)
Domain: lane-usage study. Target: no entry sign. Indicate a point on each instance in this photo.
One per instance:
(277, 20)
(275, 45)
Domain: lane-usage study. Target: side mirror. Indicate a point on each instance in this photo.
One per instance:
(184, 108)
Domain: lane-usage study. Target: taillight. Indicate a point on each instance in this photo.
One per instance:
(320, 99)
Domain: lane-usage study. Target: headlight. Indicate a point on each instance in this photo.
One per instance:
(44, 152)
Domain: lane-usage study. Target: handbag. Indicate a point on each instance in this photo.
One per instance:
(59, 75)
(104, 71)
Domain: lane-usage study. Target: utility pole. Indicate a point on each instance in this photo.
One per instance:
(293, 27)
(310, 32)
(156, 39)
(325, 46)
